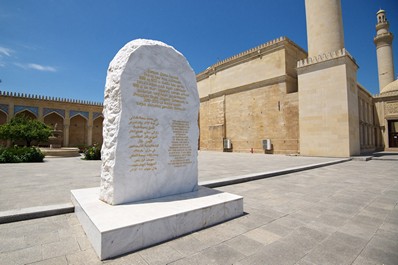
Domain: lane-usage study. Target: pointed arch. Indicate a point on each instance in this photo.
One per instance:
(97, 130)
(3, 117)
(27, 113)
(78, 130)
(52, 119)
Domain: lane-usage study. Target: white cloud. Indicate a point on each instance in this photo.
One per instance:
(42, 67)
(5, 51)
(37, 67)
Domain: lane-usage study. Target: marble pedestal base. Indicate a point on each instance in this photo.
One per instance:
(116, 230)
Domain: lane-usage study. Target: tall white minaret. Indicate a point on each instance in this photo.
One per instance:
(327, 86)
(324, 26)
(383, 42)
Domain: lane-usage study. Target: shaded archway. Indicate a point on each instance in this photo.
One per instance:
(27, 113)
(53, 120)
(3, 120)
(78, 131)
(3, 117)
(97, 130)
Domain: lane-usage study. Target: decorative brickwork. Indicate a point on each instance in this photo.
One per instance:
(34, 110)
(97, 114)
(4, 108)
(73, 113)
(47, 111)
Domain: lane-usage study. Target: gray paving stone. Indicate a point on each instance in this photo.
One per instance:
(387, 245)
(374, 212)
(84, 243)
(53, 261)
(244, 244)
(289, 221)
(86, 257)
(389, 226)
(364, 261)
(274, 254)
(331, 253)
(262, 236)
(387, 234)
(359, 230)
(64, 247)
(11, 243)
(380, 256)
(188, 245)
(343, 209)
(130, 259)
(304, 262)
(21, 256)
(278, 229)
(353, 242)
(160, 254)
(367, 220)
(220, 254)
(39, 238)
(252, 221)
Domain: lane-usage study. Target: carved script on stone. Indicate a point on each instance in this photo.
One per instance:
(160, 90)
(392, 108)
(144, 148)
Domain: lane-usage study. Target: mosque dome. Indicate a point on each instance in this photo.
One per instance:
(391, 87)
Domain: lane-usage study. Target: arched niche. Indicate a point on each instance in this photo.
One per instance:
(97, 130)
(78, 131)
(53, 119)
(3, 117)
(3, 120)
(27, 114)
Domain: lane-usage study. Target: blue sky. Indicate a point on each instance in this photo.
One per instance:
(62, 48)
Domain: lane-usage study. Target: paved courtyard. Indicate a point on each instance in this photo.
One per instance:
(341, 214)
(39, 184)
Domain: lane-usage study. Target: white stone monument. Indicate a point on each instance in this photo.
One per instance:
(150, 124)
(149, 189)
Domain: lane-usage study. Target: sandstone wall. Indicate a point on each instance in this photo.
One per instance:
(251, 97)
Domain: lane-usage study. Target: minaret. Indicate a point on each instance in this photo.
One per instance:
(328, 94)
(324, 26)
(383, 42)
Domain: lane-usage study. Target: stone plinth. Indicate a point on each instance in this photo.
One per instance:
(115, 230)
(149, 176)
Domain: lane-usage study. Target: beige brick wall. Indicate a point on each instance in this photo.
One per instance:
(329, 123)
(252, 97)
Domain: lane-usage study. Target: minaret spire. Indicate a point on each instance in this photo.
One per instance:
(324, 26)
(383, 42)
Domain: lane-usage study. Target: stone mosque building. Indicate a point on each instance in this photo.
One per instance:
(277, 98)
(274, 98)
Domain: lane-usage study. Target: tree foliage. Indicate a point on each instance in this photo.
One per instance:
(26, 129)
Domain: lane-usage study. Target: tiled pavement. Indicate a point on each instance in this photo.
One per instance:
(340, 214)
(40, 184)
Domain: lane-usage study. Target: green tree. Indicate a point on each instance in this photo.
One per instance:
(26, 129)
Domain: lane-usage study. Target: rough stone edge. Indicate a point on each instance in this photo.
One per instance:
(35, 212)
